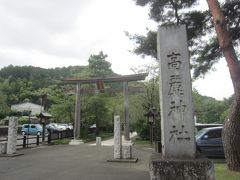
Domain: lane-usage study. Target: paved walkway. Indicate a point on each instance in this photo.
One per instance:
(110, 142)
(65, 162)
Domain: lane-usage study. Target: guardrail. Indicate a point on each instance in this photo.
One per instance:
(28, 140)
(59, 135)
(25, 141)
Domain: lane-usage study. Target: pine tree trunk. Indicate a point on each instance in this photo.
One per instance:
(231, 135)
(231, 129)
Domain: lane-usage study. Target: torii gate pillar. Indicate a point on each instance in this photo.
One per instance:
(77, 122)
(126, 111)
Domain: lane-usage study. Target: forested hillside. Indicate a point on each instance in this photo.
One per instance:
(28, 83)
(42, 86)
(18, 84)
(39, 77)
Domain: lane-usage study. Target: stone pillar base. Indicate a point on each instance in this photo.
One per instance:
(3, 147)
(76, 142)
(180, 169)
(98, 141)
(127, 151)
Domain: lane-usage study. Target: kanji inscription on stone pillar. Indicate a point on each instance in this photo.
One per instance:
(175, 93)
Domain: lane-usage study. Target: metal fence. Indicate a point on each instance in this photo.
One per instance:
(30, 140)
(59, 135)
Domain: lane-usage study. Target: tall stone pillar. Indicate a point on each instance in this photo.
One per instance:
(178, 159)
(126, 111)
(12, 135)
(175, 94)
(77, 122)
(117, 138)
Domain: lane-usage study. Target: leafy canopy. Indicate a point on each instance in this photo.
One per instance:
(98, 66)
(202, 41)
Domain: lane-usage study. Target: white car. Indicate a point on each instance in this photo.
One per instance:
(58, 126)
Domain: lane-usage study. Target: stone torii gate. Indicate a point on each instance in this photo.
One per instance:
(100, 85)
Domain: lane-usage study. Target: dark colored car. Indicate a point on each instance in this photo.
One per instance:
(209, 142)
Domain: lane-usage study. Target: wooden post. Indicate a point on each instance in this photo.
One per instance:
(37, 141)
(77, 112)
(126, 111)
(49, 137)
(24, 141)
(151, 133)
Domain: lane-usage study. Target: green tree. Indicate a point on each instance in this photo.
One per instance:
(39, 77)
(208, 109)
(63, 111)
(98, 66)
(53, 95)
(140, 105)
(4, 108)
(97, 112)
(227, 105)
(202, 40)
(17, 90)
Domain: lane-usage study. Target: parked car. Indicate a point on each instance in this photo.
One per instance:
(60, 127)
(70, 126)
(52, 128)
(67, 126)
(31, 129)
(55, 127)
(209, 142)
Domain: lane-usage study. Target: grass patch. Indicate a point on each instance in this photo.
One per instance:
(222, 173)
(92, 137)
(143, 143)
(60, 141)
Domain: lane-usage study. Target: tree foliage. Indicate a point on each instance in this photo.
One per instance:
(98, 66)
(210, 110)
(63, 110)
(97, 112)
(202, 40)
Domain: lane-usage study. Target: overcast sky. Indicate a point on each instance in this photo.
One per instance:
(57, 33)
